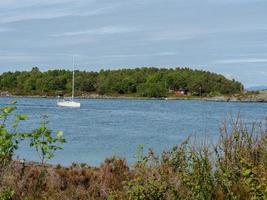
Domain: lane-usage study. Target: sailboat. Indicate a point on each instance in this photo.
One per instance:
(70, 102)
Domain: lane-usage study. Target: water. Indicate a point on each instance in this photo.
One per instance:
(103, 128)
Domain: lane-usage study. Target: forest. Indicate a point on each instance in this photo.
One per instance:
(139, 82)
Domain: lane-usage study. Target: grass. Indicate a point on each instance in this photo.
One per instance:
(234, 168)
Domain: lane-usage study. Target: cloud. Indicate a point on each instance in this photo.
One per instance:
(16, 4)
(171, 35)
(19, 58)
(4, 29)
(168, 53)
(30, 16)
(192, 33)
(231, 2)
(185, 34)
(241, 61)
(99, 31)
(229, 76)
(32, 10)
(264, 73)
(14, 10)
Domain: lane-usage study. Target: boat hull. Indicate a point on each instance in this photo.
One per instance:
(70, 104)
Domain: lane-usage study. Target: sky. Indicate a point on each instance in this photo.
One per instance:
(223, 36)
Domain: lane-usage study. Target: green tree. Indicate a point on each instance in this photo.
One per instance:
(152, 90)
(147, 81)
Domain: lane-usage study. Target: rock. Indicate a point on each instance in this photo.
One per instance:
(5, 94)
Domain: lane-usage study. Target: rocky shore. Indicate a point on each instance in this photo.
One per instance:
(259, 97)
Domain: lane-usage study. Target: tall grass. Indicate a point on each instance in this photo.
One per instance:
(234, 168)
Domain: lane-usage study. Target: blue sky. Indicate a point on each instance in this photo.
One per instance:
(224, 36)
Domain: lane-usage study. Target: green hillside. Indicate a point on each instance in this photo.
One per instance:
(144, 82)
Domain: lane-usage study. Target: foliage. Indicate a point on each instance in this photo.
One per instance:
(41, 138)
(7, 194)
(139, 155)
(146, 82)
(252, 92)
(44, 142)
(9, 139)
(152, 90)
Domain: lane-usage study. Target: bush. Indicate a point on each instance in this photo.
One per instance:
(9, 139)
(7, 194)
(44, 142)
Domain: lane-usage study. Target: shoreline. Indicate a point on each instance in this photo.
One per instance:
(231, 99)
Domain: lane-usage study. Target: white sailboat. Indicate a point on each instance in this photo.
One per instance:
(70, 102)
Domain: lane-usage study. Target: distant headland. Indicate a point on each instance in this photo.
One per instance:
(139, 82)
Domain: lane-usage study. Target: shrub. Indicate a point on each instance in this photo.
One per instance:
(44, 142)
(7, 194)
(9, 139)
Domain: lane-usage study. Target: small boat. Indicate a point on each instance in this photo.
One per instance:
(70, 101)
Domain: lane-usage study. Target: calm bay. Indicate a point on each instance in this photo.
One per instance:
(102, 128)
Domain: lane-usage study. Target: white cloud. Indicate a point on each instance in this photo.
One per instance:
(241, 60)
(3, 29)
(99, 31)
(46, 9)
(181, 34)
(191, 33)
(19, 58)
(14, 4)
(171, 35)
(168, 53)
(229, 76)
(29, 16)
(263, 73)
(233, 1)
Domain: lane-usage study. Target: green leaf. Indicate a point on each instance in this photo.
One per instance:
(42, 129)
(9, 109)
(59, 134)
(247, 173)
(21, 117)
(15, 124)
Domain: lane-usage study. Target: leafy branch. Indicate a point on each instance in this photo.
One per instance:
(44, 142)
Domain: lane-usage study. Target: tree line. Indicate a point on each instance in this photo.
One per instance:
(145, 82)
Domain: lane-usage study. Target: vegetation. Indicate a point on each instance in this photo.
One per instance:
(9, 139)
(252, 92)
(41, 139)
(234, 168)
(145, 82)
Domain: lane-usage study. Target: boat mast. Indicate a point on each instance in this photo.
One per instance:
(73, 76)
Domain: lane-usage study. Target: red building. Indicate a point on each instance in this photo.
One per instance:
(179, 92)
